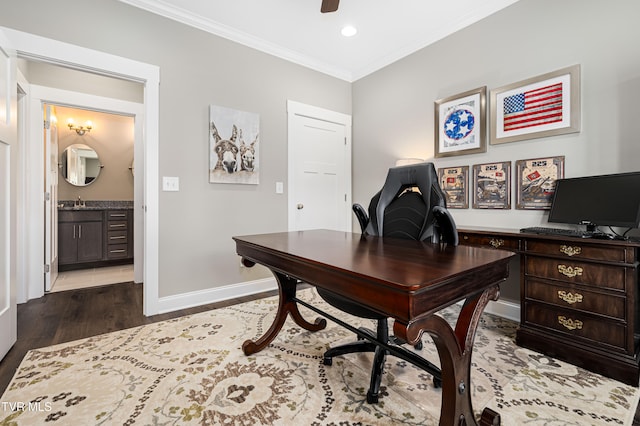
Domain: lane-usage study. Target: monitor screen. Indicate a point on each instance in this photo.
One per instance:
(608, 200)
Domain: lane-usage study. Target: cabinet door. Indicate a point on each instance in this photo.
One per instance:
(67, 243)
(89, 241)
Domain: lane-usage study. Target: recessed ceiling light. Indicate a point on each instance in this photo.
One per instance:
(349, 31)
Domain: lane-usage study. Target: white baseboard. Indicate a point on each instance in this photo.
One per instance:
(218, 294)
(504, 309)
(501, 308)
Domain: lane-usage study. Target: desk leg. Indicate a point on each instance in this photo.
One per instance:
(286, 305)
(455, 348)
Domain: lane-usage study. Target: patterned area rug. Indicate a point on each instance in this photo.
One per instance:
(191, 370)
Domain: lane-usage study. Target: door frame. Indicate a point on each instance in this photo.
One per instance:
(40, 95)
(32, 47)
(303, 110)
(50, 146)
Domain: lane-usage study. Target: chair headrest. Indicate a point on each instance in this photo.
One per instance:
(421, 175)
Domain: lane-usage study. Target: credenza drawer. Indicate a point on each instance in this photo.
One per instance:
(497, 242)
(580, 250)
(571, 271)
(576, 297)
(576, 324)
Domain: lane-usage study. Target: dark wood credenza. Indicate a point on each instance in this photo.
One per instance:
(579, 298)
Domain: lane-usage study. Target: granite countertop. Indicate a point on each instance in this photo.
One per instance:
(95, 205)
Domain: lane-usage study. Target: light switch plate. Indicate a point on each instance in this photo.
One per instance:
(279, 187)
(170, 183)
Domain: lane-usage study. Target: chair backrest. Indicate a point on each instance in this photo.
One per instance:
(412, 205)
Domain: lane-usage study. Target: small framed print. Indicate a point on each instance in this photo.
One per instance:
(454, 182)
(492, 186)
(459, 123)
(536, 182)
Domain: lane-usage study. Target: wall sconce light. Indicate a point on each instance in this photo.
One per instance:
(80, 130)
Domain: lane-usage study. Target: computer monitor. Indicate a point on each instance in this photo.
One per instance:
(606, 200)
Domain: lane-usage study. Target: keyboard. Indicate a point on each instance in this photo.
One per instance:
(554, 231)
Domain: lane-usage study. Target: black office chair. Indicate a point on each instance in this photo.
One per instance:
(410, 205)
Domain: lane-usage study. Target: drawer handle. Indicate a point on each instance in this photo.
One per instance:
(570, 271)
(570, 298)
(122, 237)
(570, 324)
(117, 251)
(570, 250)
(496, 243)
(117, 215)
(119, 225)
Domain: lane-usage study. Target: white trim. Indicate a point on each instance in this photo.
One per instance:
(22, 222)
(217, 294)
(504, 309)
(188, 18)
(303, 110)
(30, 46)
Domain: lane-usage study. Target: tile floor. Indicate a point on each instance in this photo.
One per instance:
(71, 280)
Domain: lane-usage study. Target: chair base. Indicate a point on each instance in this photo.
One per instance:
(377, 368)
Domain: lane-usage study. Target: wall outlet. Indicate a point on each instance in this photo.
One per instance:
(170, 183)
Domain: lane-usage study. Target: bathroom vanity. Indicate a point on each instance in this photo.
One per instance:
(99, 233)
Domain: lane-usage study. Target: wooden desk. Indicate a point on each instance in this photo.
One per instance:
(406, 280)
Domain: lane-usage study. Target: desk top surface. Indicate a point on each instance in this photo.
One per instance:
(405, 264)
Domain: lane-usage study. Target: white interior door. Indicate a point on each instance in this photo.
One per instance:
(319, 169)
(8, 142)
(51, 197)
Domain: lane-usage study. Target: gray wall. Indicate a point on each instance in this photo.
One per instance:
(44, 74)
(393, 109)
(112, 139)
(196, 69)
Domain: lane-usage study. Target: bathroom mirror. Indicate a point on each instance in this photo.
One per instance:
(80, 164)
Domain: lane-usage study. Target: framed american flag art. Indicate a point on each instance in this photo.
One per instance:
(542, 106)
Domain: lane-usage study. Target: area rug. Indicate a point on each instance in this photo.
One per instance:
(191, 371)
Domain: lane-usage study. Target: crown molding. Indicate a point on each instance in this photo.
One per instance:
(161, 8)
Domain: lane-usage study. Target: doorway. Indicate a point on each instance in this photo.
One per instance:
(40, 49)
(93, 176)
(108, 113)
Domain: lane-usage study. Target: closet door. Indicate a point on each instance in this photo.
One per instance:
(8, 149)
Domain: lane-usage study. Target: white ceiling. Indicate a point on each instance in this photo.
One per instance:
(295, 30)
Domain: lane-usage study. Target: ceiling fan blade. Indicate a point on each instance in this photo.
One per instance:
(329, 6)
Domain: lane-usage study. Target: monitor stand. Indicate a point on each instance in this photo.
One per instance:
(593, 232)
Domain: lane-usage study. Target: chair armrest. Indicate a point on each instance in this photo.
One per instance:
(446, 230)
(361, 215)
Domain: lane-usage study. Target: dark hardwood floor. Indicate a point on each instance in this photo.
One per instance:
(76, 314)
